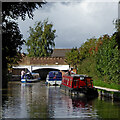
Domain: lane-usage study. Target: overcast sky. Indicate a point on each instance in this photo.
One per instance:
(75, 22)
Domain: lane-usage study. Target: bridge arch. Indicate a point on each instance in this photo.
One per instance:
(43, 64)
(44, 71)
(58, 67)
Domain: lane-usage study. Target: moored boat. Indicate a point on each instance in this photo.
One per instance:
(54, 78)
(30, 78)
(78, 84)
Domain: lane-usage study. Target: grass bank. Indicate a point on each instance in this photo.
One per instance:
(87, 66)
(106, 85)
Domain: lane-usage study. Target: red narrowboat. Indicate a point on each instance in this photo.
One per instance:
(78, 84)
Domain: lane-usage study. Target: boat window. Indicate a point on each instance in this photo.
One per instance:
(81, 78)
(55, 73)
(75, 82)
(68, 82)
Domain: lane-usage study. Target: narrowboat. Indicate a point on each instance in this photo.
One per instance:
(30, 78)
(76, 84)
(54, 78)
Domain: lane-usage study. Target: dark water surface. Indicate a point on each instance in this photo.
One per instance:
(35, 100)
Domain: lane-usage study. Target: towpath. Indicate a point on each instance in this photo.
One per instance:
(107, 89)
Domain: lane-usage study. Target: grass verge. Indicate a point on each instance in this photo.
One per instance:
(106, 85)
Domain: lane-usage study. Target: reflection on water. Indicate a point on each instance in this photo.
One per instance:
(25, 101)
(39, 101)
(62, 106)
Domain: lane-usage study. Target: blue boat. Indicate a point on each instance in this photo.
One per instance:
(30, 78)
(54, 78)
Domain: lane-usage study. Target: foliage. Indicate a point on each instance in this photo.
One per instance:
(106, 85)
(12, 41)
(100, 59)
(108, 60)
(41, 39)
(11, 37)
(117, 38)
(116, 22)
(87, 48)
(14, 10)
(72, 57)
(117, 33)
(14, 60)
(87, 66)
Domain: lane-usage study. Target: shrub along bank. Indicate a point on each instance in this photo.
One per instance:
(100, 59)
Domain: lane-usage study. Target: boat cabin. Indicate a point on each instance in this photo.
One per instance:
(54, 77)
(30, 77)
(77, 81)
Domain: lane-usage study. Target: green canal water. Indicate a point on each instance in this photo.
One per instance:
(35, 100)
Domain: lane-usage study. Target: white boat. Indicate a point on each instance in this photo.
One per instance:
(30, 78)
(54, 78)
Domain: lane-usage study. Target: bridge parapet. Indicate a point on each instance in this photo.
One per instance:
(43, 61)
(42, 64)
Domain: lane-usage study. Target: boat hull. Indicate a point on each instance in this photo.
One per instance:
(54, 78)
(53, 82)
(29, 80)
(89, 92)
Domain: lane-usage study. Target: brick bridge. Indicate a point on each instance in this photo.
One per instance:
(43, 65)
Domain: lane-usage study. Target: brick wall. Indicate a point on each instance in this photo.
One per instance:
(43, 61)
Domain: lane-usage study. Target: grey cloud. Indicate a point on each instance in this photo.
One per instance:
(119, 10)
(75, 23)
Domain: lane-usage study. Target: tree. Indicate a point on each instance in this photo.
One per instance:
(14, 10)
(12, 41)
(87, 48)
(108, 60)
(116, 22)
(41, 39)
(73, 58)
(117, 33)
(11, 37)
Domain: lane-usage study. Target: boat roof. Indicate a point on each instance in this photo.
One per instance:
(53, 71)
(78, 75)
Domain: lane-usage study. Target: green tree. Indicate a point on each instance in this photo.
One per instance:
(117, 33)
(11, 37)
(87, 48)
(14, 10)
(12, 41)
(116, 22)
(40, 42)
(108, 60)
(73, 58)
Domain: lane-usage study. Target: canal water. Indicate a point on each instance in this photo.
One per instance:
(35, 100)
